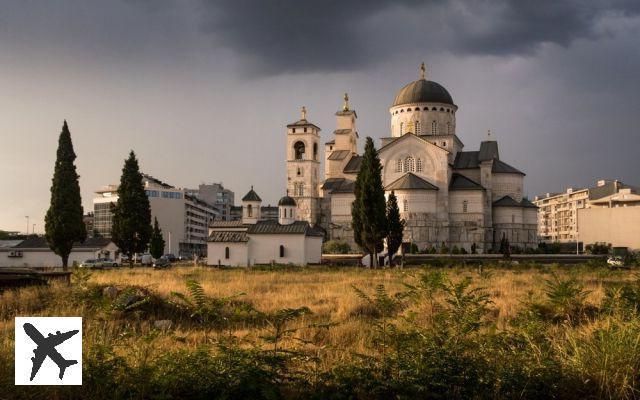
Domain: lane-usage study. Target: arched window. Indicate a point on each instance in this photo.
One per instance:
(409, 164)
(417, 127)
(448, 128)
(434, 128)
(290, 213)
(465, 206)
(284, 213)
(405, 205)
(226, 252)
(416, 109)
(315, 151)
(281, 251)
(249, 210)
(299, 172)
(399, 166)
(419, 165)
(401, 128)
(298, 148)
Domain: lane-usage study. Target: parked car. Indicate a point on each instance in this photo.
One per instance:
(615, 262)
(146, 259)
(170, 257)
(161, 262)
(88, 263)
(105, 263)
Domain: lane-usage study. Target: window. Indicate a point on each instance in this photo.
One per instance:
(249, 210)
(399, 166)
(299, 172)
(444, 144)
(405, 205)
(290, 213)
(513, 218)
(315, 151)
(448, 128)
(409, 164)
(294, 130)
(226, 253)
(284, 213)
(298, 149)
(465, 206)
(417, 127)
(305, 130)
(281, 251)
(401, 128)
(434, 128)
(419, 165)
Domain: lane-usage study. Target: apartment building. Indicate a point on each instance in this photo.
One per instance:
(216, 194)
(183, 218)
(558, 214)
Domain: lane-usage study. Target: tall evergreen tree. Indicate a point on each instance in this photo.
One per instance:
(156, 245)
(395, 227)
(370, 208)
(131, 228)
(63, 222)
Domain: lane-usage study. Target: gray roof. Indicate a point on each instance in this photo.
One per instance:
(339, 154)
(353, 166)
(275, 228)
(461, 182)
(332, 141)
(5, 244)
(526, 203)
(302, 122)
(228, 236)
(423, 91)
(332, 183)
(410, 181)
(506, 201)
(39, 242)
(347, 186)
(609, 188)
(467, 160)
(488, 150)
(251, 196)
(501, 167)
(287, 201)
(226, 224)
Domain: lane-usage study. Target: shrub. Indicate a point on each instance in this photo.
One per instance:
(336, 247)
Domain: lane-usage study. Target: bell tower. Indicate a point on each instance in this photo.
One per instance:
(303, 167)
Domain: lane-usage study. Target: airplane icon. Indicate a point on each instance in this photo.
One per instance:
(46, 348)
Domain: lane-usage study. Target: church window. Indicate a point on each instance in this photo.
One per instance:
(299, 172)
(441, 108)
(426, 109)
(417, 124)
(226, 252)
(448, 128)
(294, 130)
(465, 206)
(401, 128)
(281, 251)
(305, 130)
(434, 128)
(444, 144)
(298, 148)
(409, 164)
(405, 205)
(399, 166)
(419, 165)
(315, 151)
(249, 210)
(417, 109)
(434, 109)
(513, 218)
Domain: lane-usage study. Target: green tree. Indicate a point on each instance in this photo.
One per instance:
(156, 245)
(395, 227)
(369, 211)
(131, 228)
(63, 222)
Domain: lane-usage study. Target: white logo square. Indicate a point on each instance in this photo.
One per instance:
(48, 350)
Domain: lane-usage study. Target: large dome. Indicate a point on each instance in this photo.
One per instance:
(423, 91)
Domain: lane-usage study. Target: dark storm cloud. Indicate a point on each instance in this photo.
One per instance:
(303, 36)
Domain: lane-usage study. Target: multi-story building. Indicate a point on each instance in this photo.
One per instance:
(88, 223)
(217, 195)
(608, 212)
(183, 218)
(267, 213)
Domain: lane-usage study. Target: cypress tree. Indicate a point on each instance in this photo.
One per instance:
(131, 228)
(63, 222)
(395, 227)
(156, 245)
(370, 205)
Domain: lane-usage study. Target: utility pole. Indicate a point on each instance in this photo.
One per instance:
(27, 217)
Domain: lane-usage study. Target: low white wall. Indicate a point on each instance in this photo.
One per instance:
(313, 249)
(42, 258)
(237, 254)
(264, 249)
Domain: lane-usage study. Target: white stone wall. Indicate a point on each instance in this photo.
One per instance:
(507, 215)
(425, 115)
(313, 249)
(238, 256)
(416, 201)
(47, 258)
(263, 249)
(507, 185)
(255, 212)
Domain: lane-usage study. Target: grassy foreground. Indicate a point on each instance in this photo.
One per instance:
(503, 332)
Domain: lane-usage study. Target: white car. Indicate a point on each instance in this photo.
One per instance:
(615, 261)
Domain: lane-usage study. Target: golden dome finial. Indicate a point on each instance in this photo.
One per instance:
(303, 113)
(423, 71)
(345, 107)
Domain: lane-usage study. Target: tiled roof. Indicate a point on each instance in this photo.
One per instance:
(501, 167)
(228, 236)
(275, 228)
(527, 204)
(353, 166)
(251, 196)
(466, 160)
(39, 242)
(332, 183)
(302, 122)
(506, 201)
(347, 186)
(339, 154)
(488, 150)
(461, 182)
(410, 181)
(226, 224)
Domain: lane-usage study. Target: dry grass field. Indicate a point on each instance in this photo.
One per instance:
(546, 318)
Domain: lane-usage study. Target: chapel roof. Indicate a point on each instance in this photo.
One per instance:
(461, 182)
(506, 201)
(410, 181)
(353, 166)
(251, 196)
(274, 228)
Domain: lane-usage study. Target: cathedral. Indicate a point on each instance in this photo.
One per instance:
(446, 195)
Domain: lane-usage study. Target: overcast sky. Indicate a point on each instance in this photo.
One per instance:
(202, 90)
